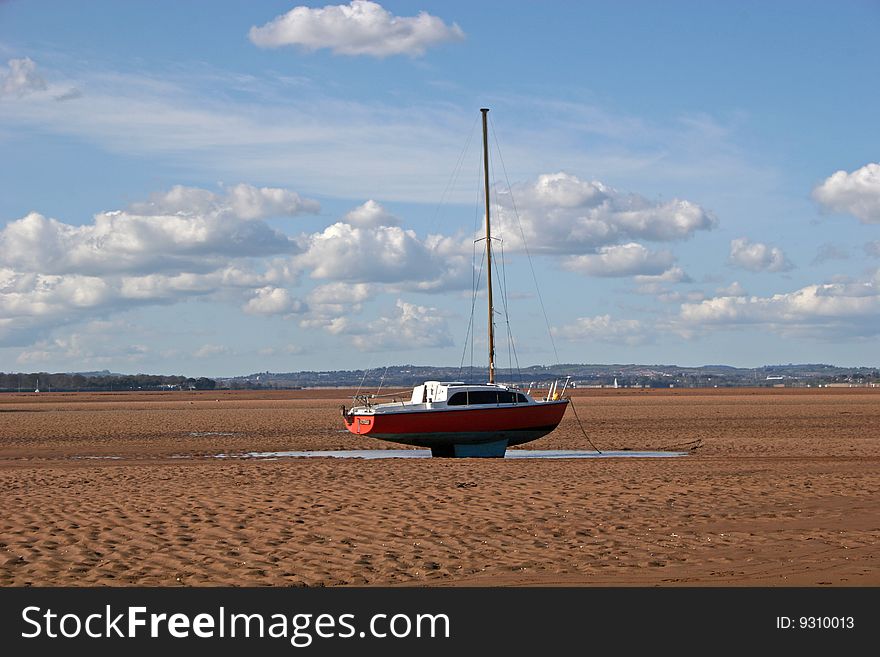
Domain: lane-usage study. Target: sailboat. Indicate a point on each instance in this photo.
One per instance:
(457, 419)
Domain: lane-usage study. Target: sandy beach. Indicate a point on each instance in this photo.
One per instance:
(126, 489)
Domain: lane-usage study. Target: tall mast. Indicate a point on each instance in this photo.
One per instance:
(485, 112)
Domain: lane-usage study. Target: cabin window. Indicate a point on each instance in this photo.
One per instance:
(487, 397)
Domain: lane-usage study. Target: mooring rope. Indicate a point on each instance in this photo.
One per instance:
(583, 431)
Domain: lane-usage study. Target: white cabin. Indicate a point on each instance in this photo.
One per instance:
(432, 391)
(439, 395)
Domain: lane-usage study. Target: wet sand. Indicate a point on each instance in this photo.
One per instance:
(124, 489)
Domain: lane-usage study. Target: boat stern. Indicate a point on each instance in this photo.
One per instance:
(357, 423)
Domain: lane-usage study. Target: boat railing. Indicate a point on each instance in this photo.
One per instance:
(553, 392)
(366, 400)
(390, 394)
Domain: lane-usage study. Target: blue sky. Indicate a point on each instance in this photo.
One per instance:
(219, 188)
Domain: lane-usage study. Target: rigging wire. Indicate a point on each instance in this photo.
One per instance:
(525, 245)
(503, 283)
(366, 371)
(453, 178)
(498, 279)
(477, 215)
(382, 381)
(478, 274)
(511, 345)
(500, 283)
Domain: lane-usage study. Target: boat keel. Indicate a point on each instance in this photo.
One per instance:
(494, 449)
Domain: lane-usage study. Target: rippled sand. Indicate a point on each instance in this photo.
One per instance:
(782, 491)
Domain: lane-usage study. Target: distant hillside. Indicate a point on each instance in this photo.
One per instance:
(582, 375)
(402, 376)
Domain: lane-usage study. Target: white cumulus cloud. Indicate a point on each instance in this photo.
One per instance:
(332, 325)
(349, 253)
(735, 289)
(385, 255)
(359, 28)
(629, 259)
(657, 284)
(341, 293)
(559, 213)
(604, 329)
(241, 201)
(410, 326)
(249, 202)
(333, 300)
(91, 347)
(182, 244)
(757, 256)
(183, 229)
(671, 275)
(856, 193)
(272, 301)
(370, 215)
(37, 295)
(826, 310)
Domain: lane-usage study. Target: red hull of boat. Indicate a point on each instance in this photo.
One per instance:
(516, 424)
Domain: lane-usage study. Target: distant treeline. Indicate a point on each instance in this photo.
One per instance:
(63, 382)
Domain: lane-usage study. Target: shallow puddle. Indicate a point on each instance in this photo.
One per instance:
(426, 453)
(212, 433)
